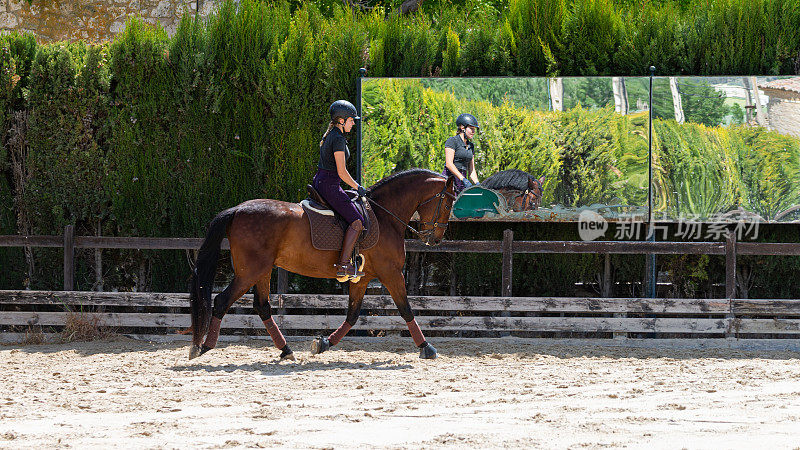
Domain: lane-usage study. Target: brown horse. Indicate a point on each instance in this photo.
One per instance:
(522, 191)
(267, 233)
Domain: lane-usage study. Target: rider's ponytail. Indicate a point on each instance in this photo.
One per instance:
(330, 127)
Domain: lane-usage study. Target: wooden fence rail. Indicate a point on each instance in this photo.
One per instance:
(688, 317)
(506, 247)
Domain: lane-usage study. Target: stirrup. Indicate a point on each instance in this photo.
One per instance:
(357, 270)
(348, 270)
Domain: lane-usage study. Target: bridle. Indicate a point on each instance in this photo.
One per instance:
(526, 201)
(434, 223)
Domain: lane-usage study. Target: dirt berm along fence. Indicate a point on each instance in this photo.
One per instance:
(308, 314)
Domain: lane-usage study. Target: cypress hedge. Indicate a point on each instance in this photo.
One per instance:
(151, 135)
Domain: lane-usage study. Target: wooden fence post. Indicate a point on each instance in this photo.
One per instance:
(730, 265)
(607, 291)
(730, 279)
(69, 258)
(508, 255)
(508, 239)
(283, 281)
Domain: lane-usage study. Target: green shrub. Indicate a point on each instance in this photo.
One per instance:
(152, 136)
(590, 39)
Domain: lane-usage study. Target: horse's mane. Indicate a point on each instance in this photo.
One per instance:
(406, 173)
(508, 179)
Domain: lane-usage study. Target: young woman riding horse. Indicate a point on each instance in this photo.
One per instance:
(331, 171)
(267, 233)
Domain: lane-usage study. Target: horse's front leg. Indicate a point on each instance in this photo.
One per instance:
(395, 283)
(356, 292)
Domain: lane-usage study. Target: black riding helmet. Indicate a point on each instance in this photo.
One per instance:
(343, 109)
(467, 120)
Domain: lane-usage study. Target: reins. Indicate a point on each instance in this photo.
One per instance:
(441, 196)
(393, 215)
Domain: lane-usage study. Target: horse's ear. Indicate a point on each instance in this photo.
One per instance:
(450, 180)
(541, 181)
(532, 184)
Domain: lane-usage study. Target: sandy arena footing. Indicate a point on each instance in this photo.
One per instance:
(377, 392)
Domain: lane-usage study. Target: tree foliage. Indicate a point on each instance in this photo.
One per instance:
(151, 135)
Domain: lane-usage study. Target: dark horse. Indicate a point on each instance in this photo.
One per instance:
(521, 190)
(266, 233)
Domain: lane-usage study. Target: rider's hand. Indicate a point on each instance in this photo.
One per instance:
(467, 183)
(362, 192)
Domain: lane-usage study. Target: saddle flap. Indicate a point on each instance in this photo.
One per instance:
(327, 228)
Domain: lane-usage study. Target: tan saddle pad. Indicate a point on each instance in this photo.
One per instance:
(327, 234)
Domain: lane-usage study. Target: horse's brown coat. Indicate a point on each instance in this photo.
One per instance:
(270, 233)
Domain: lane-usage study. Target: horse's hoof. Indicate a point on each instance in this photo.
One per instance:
(428, 352)
(194, 352)
(287, 354)
(319, 345)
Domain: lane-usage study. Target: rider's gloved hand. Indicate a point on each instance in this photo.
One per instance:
(467, 183)
(362, 192)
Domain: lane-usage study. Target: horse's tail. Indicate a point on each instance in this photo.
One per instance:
(204, 271)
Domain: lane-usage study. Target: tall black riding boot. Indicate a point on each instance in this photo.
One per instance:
(345, 267)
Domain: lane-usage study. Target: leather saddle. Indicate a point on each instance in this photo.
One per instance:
(328, 227)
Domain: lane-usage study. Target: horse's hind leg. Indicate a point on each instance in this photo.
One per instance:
(223, 302)
(356, 292)
(264, 311)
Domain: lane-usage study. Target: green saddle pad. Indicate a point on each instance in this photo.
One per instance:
(476, 201)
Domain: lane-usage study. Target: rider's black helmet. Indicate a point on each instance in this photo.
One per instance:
(343, 109)
(467, 120)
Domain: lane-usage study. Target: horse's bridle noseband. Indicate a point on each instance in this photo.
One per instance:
(434, 222)
(525, 200)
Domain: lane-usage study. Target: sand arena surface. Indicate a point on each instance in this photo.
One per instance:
(477, 394)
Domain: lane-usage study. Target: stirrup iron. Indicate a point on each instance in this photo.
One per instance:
(358, 265)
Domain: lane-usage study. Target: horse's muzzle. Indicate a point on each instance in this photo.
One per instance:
(432, 241)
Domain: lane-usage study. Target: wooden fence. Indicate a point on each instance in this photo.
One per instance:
(507, 247)
(165, 313)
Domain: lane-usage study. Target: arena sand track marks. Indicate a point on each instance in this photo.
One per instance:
(128, 393)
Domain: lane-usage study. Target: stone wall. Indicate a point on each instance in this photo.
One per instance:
(93, 20)
(784, 116)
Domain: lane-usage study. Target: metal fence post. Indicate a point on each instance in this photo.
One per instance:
(651, 272)
(362, 72)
